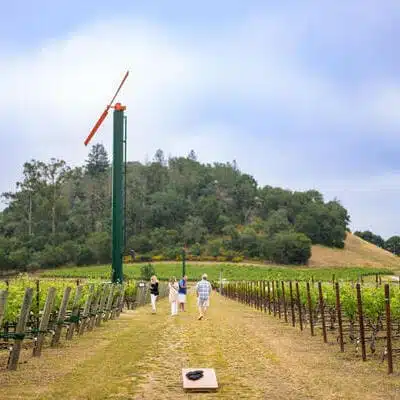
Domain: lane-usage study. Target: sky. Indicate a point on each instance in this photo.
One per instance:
(303, 95)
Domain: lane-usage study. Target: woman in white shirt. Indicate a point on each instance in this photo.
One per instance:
(173, 295)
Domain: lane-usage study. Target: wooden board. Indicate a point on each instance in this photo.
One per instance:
(207, 383)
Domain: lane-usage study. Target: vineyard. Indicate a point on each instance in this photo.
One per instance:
(165, 271)
(35, 312)
(359, 318)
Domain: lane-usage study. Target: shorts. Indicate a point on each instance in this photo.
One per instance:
(203, 302)
(181, 298)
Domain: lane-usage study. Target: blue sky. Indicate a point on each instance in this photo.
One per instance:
(302, 94)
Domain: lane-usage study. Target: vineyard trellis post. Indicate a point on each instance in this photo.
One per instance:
(278, 298)
(322, 309)
(361, 321)
(310, 308)
(20, 330)
(388, 330)
(284, 301)
(299, 305)
(37, 350)
(61, 315)
(339, 315)
(292, 304)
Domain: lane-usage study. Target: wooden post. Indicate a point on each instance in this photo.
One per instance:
(94, 308)
(74, 313)
(292, 304)
(121, 301)
(100, 312)
(273, 297)
(278, 298)
(3, 301)
(299, 305)
(361, 322)
(388, 330)
(44, 322)
(86, 310)
(20, 329)
(322, 308)
(61, 315)
(115, 303)
(269, 297)
(284, 301)
(310, 308)
(109, 303)
(264, 297)
(339, 314)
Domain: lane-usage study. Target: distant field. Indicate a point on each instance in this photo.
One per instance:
(357, 258)
(357, 252)
(230, 271)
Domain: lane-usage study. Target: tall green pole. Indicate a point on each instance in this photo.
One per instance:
(117, 195)
(183, 262)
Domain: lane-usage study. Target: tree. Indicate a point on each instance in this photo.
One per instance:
(289, 248)
(371, 237)
(56, 173)
(97, 162)
(393, 245)
(34, 172)
(193, 230)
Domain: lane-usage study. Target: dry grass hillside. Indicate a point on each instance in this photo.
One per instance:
(357, 252)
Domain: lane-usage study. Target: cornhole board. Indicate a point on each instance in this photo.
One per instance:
(207, 383)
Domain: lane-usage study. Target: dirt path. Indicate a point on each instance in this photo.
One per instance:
(140, 356)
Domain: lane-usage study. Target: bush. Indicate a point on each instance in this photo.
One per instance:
(157, 258)
(99, 244)
(52, 256)
(172, 253)
(289, 248)
(195, 250)
(143, 257)
(147, 271)
(237, 259)
(214, 248)
(84, 256)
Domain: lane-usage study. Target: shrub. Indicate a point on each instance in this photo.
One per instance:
(158, 257)
(195, 250)
(84, 256)
(147, 271)
(172, 253)
(143, 257)
(237, 259)
(289, 248)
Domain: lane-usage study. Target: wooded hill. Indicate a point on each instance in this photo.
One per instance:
(60, 215)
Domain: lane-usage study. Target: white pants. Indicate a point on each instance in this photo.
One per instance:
(153, 298)
(174, 307)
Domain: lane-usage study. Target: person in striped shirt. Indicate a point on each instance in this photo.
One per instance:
(203, 290)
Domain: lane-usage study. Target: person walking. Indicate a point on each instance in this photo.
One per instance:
(173, 295)
(182, 293)
(203, 290)
(154, 292)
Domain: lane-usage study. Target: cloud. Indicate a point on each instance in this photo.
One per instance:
(253, 91)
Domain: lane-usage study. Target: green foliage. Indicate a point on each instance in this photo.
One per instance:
(231, 271)
(289, 248)
(393, 245)
(60, 215)
(372, 238)
(147, 271)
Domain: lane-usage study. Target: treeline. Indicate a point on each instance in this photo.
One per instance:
(60, 215)
(392, 244)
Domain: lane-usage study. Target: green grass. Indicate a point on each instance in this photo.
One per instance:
(230, 271)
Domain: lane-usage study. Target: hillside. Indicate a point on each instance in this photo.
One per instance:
(357, 252)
